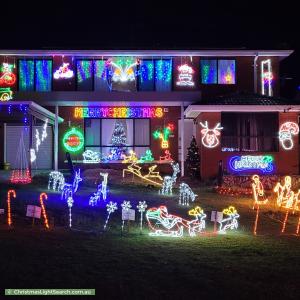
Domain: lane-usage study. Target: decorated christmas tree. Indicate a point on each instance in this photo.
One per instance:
(193, 159)
(118, 141)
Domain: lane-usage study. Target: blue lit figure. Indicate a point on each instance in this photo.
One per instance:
(101, 190)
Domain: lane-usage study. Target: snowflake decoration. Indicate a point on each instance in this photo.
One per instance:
(142, 206)
(111, 207)
(126, 205)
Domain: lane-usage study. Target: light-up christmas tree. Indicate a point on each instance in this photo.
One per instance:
(193, 159)
(118, 141)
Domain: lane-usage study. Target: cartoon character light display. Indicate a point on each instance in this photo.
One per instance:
(286, 132)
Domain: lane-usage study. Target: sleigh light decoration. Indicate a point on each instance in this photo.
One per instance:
(210, 137)
(91, 157)
(161, 223)
(286, 132)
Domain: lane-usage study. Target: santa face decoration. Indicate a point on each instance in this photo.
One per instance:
(286, 132)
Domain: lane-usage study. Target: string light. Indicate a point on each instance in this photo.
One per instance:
(135, 169)
(84, 70)
(110, 207)
(231, 221)
(63, 72)
(163, 135)
(210, 136)
(286, 131)
(169, 181)
(123, 70)
(32, 155)
(57, 180)
(141, 208)
(161, 223)
(262, 163)
(10, 193)
(198, 224)
(101, 190)
(226, 71)
(26, 75)
(43, 79)
(209, 71)
(42, 197)
(73, 140)
(186, 194)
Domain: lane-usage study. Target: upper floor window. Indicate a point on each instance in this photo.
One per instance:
(35, 75)
(163, 75)
(220, 71)
(249, 132)
(84, 75)
(226, 71)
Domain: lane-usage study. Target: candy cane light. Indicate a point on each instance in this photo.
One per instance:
(43, 196)
(9, 194)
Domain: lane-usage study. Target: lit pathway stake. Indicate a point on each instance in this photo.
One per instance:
(44, 195)
(142, 207)
(111, 207)
(125, 206)
(9, 194)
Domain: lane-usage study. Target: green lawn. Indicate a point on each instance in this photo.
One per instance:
(136, 266)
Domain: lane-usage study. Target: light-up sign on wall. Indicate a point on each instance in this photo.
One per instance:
(73, 140)
(63, 72)
(118, 112)
(262, 163)
(286, 131)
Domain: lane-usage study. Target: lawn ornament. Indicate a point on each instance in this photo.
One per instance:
(141, 208)
(169, 181)
(57, 180)
(110, 207)
(10, 193)
(186, 194)
(42, 197)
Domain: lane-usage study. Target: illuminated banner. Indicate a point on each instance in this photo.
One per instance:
(118, 112)
(263, 163)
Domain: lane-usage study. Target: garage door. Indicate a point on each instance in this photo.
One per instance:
(44, 155)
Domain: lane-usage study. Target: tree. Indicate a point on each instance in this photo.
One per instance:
(118, 140)
(193, 159)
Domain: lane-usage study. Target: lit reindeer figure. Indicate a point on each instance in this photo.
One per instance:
(101, 189)
(71, 188)
(169, 181)
(198, 224)
(186, 194)
(58, 181)
(210, 136)
(231, 221)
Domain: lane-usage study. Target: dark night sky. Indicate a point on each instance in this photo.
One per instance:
(154, 24)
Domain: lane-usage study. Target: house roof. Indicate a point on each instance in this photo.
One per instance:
(148, 53)
(242, 102)
(246, 99)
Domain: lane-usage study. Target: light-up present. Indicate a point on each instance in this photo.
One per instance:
(118, 112)
(263, 163)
